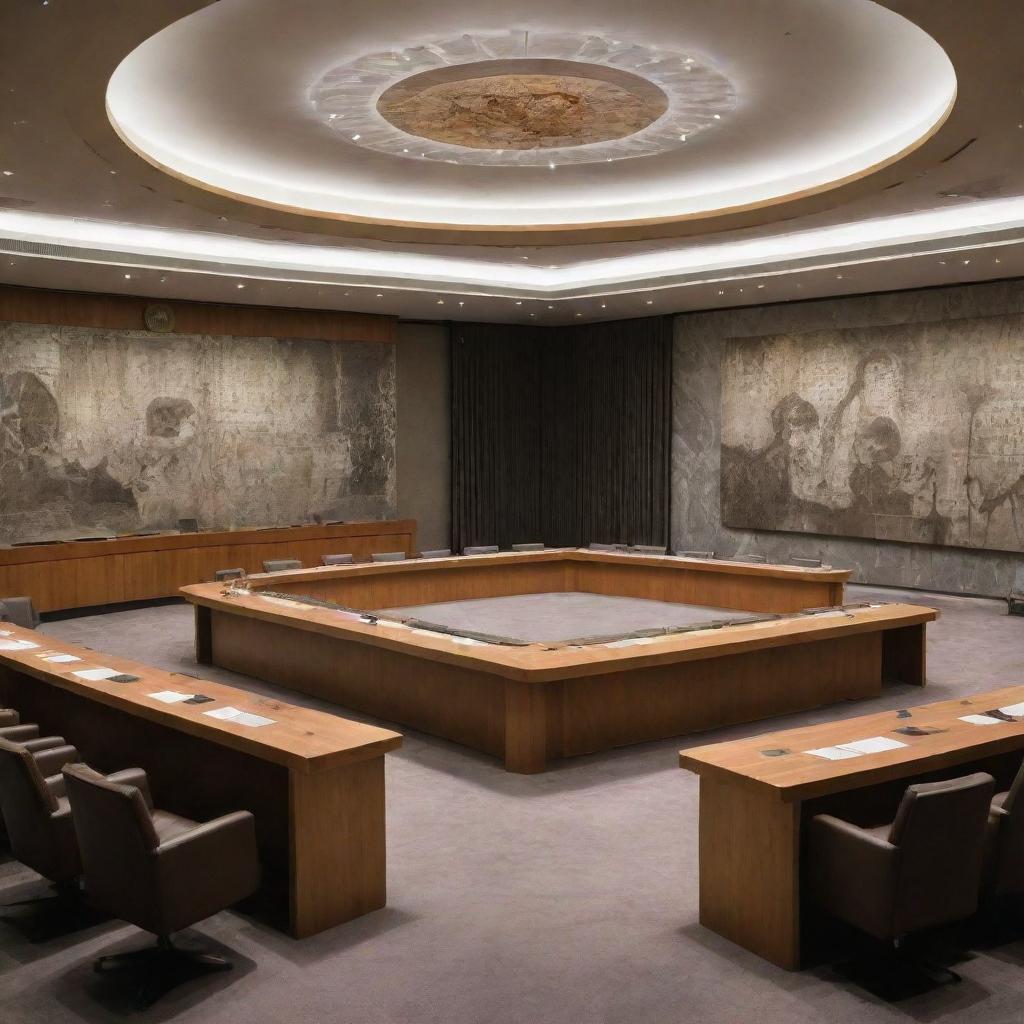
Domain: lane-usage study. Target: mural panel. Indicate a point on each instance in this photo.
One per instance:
(910, 433)
(124, 431)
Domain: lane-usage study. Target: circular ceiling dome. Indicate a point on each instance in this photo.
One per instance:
(440, 117)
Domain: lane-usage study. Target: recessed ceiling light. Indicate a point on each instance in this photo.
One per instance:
(604, 305)
(551, 307)
(379, 296)
(356, 137)
(839, 277)
(127, 277)
(721, 292)
(519, 302)
(239, 285)
(440, 302)
(760, 286)
(998, 260)
(461, 303)
(966, 262)
(551, 166)
(7, 174)
(717, 117)
(579, 314)
(650, 302)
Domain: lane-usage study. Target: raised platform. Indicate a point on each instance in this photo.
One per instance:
(530, 703)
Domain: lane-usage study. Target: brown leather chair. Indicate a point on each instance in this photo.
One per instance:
(281, 564)
(920, 871)
(155, 869)
(1004, 861)
(11, 728)
(223, 575)
(35, 812)
(341, 559)
(19, 610)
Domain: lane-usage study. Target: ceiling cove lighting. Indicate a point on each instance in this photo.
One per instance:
(935, 232)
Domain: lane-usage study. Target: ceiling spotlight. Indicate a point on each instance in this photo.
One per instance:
(682, 138)
(551, 166)
(579, 314)
(551, 307)
(7, 174)
(760, 286)
(461, 303)
(519, 302)
(239, 285)
(379, 296)
(717, 117)
(440, 302)
(839, 277)
(604, 305)
(721, 291)
(998, 260)
(356, 137)
(966, 262)
(127, 277)
(650, 302)
(113, 172)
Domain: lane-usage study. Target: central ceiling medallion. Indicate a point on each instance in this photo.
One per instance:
(523, 99)
(523, 105)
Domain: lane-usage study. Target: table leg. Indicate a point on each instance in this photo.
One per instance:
(525, 727)
(749, 870)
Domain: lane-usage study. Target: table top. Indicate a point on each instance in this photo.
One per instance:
(175, 540)
(777, 763)
(541, 663)
(300, 738)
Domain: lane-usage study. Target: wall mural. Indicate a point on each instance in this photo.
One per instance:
(909, 433)
(126, 431)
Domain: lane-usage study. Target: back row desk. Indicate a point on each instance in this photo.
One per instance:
(77, 574)
(758, 794)
(314, 782)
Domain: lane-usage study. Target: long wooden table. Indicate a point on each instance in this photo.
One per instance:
(314, 782)
(531, 704)
(78, 574)
(758, 794)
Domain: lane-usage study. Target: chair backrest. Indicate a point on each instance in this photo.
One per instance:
(8, 716)
(748, 558)
(594, 546)
(696, 554)
(481, 549)
(940, 832)
(387, 556)
(437, 553)
(39, 835)
(532, 546)
(1005, 873)
(228, 574)
(648, 549)
(808, 563)
(281, 564)
(345, 559)
(20, 610)
(116, 839)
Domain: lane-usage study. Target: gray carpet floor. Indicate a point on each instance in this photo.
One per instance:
(563, 616)
(564, 898)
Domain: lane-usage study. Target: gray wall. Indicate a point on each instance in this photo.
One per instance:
(423, 443)
(696, 518)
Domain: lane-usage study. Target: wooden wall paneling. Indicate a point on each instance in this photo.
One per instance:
(126, 312)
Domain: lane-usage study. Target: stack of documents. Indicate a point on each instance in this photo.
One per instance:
(856, 748)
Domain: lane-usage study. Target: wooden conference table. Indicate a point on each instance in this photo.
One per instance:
(314, 782)
(758, 794)
(531, 703)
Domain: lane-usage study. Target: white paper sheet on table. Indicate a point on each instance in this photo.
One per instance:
(62, 659)
(96, 674)
(981, 720)
(635, 641)
(1013, 709)
(872, 745)
(834, 753)
(17, 645)
(171, 696)
(468, 641)
(239, 717)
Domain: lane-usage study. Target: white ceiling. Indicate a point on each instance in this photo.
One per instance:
(824, 87)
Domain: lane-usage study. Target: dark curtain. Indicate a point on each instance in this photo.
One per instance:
(561, 435)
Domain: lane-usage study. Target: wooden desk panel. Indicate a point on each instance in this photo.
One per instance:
(753, 806)
(314, 782)
(594, 697)
(86, 573)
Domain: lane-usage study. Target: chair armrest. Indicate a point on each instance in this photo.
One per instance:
(134, 777)
(208, 867)
(853, 874)
(8, 716)
(19, 733)
(44, 743)
(52, 760)
(56, 785)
